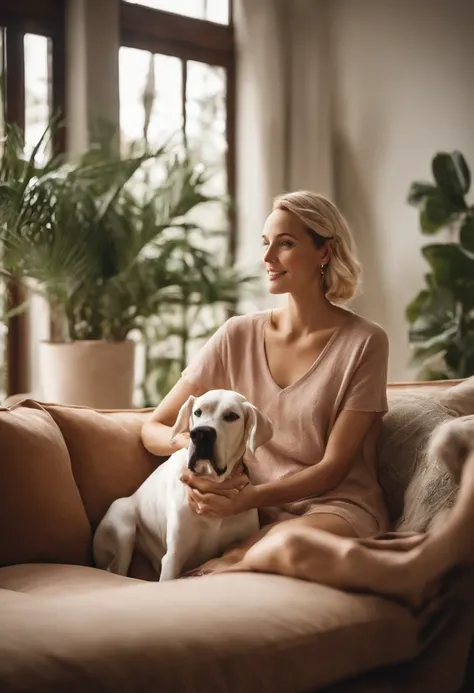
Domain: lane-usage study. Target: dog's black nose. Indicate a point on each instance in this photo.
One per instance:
(203, 433)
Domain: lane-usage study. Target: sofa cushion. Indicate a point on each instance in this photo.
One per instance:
(41, 513)
(108, 458)
(48, 579)
(414, 414)
(213, 634)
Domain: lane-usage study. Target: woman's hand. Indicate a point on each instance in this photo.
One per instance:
(219, 499)
(181, 441)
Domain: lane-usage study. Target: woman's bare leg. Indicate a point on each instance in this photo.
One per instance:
(233, 556)
(407, 567)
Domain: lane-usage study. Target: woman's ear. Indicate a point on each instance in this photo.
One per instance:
(326, 253)
(258, 427)
(184, 417)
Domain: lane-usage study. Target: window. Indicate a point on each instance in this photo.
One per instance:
(164, 98)
(177, 80)
(31, 65)
(212, 10)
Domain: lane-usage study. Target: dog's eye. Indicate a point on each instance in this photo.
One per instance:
(198, 413)
(231, 416)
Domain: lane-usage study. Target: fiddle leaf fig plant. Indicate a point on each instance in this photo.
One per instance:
(441, 316)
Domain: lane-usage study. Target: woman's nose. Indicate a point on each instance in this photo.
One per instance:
(269, 254)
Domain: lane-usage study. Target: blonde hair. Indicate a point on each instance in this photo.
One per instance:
(325, 223)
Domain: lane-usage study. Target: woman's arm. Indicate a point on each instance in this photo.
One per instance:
(205, 372)
(156, 432)
(345, 440)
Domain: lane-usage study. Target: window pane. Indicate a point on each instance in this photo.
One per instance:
(150, 97)
(212, 10)
(206, 136)
(37, 91)
(38, 112)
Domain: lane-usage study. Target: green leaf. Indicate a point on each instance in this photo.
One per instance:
(439, 341)
(436, 214)
(464, 173)
(464, 293)
(449, 263)
(466, 235)
(453, 357)
(450, 175)
(418, 193)
(428, 373)
(416, 307)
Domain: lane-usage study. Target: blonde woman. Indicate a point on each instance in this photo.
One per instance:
(318, 371)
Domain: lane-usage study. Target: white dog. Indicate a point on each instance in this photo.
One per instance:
(157, 518)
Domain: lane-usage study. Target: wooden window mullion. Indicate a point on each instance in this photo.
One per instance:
(18, 371)
(231, 158)
(184, 88)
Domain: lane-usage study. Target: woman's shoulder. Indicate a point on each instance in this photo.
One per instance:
(241, 324)
(368, 331)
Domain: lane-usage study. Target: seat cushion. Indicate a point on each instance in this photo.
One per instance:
(41, 512)
(212, 634)
(108, 458)
(49, 579)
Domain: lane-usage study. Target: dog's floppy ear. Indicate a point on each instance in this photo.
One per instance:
(182, 421)
(258, 428)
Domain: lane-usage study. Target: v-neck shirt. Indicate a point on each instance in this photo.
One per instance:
(349, 373)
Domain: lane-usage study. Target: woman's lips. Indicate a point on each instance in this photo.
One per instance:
(272, 275)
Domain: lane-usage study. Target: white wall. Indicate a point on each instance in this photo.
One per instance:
(403, 75)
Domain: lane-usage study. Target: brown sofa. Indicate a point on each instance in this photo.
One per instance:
(66, 626)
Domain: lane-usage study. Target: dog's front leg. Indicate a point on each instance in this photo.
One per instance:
(177, 547)
(171, 566)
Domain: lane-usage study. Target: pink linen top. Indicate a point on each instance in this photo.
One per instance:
(350, 373)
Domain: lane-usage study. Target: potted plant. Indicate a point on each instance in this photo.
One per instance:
(441, 316)
(101, 246)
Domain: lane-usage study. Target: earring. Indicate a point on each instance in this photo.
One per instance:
(322, 270)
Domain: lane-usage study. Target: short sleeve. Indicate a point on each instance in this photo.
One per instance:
(206, 369)
(367, 389)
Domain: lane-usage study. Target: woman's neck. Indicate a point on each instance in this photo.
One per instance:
(302, 315)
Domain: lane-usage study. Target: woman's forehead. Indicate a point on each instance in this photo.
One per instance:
(281, 221)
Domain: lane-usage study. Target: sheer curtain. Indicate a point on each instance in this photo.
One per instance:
(283, 112)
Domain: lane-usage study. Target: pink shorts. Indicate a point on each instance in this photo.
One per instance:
(361, 521)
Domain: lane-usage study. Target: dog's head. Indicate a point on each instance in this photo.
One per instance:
(221, 424)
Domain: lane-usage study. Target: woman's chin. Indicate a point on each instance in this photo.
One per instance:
(277, 287)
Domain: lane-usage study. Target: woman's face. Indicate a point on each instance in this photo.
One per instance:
(292, 261)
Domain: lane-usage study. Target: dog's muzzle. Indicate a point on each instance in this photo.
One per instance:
(203, 447)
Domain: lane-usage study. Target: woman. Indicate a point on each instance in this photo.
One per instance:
(317, 370)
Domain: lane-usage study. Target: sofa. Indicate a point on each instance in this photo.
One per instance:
(66, 626)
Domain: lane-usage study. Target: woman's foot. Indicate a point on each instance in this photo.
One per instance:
(215, 565)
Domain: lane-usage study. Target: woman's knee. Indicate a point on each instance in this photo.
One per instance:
(281, 552)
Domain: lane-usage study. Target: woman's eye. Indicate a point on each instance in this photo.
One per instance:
(198, 413)
(231, 416)
(289, 244)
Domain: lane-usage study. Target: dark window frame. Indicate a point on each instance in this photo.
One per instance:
(17, 18)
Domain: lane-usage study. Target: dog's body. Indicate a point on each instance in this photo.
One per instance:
(157, 518)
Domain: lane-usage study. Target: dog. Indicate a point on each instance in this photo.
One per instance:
(157, 518)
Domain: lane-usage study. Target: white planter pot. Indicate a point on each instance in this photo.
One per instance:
(90, 373)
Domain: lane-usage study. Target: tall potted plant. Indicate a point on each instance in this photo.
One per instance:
(98, 246)
(441, 316)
